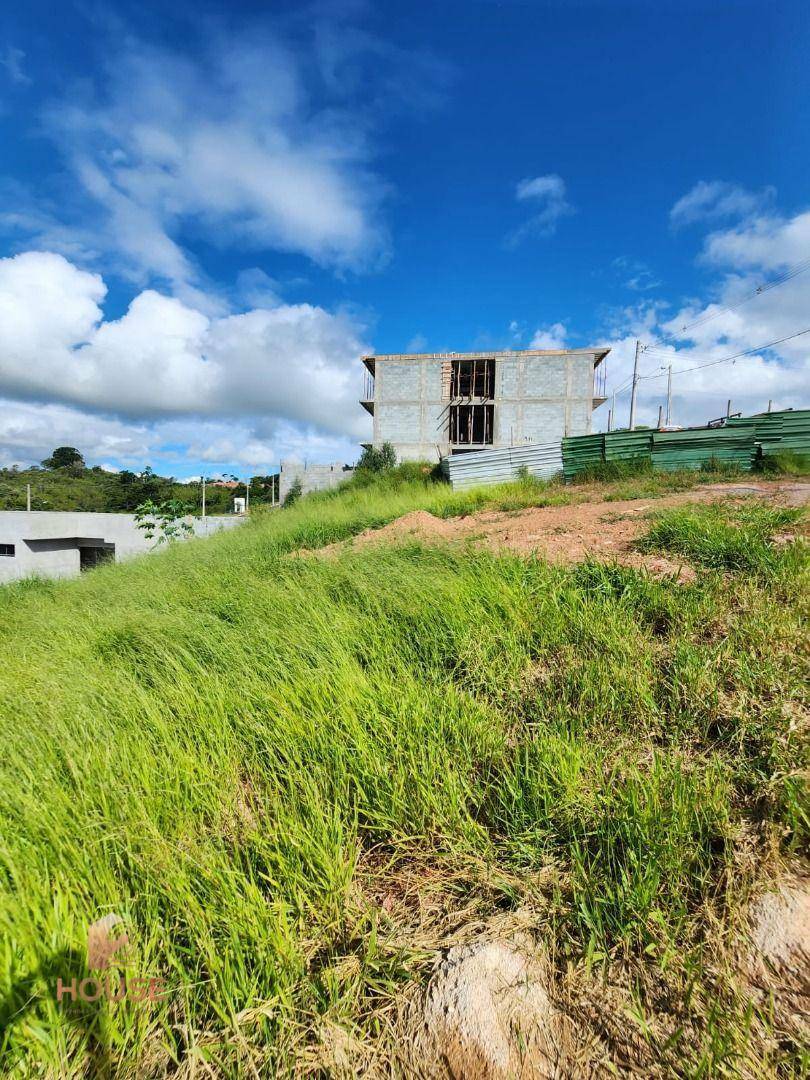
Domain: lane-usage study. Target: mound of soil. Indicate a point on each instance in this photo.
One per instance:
(419, 525)
(565, 534)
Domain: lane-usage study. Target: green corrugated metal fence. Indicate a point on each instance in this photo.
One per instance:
(580, 452)
(741, 442)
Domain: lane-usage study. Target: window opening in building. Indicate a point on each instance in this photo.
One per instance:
(472, 378)
(91, 557)
(471, 424)
(7, 549)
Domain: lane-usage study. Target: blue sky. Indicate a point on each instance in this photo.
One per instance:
(201, 207)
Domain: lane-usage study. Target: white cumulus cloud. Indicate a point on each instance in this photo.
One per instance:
(267, 367)
(234, 145)
(552, 336)
(547, 194)
(742, 316)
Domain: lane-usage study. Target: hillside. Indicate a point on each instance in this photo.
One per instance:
(95, 490)
(300, 780)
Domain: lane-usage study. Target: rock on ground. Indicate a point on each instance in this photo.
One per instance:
(777, 963)
(487, 1015)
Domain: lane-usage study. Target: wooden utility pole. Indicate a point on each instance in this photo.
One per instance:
(632, 424)
(728, 408)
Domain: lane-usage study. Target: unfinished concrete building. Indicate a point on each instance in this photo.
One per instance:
(430, 405)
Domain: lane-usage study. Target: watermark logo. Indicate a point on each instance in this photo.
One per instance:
(107, 944)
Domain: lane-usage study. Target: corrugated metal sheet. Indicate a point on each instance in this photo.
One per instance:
(739, 442)
(785, 430)
(498, 466)
(628, 445)
(581, 451)
(695, 447)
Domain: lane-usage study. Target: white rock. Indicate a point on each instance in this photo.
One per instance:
(488, 1016)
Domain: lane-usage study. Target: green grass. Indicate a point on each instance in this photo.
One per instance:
(606, 471)
(740, 538)
(786, 463)
(235, 749)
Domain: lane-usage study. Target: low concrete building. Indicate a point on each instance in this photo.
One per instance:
(430, 405)
(312, 477)
(56, 544)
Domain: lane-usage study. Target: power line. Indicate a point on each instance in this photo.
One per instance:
(728, 359)
(791, 272)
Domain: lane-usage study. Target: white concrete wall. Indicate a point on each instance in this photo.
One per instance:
(47, 542)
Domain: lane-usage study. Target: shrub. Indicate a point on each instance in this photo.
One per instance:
(294, 494)
(164, 519)
(377, 460)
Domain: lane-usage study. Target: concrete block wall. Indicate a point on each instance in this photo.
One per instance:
(540, 396)
(312, 477)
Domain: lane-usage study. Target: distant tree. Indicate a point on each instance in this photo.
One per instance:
(127, 490)
(264, 488)
(294, 493)
(164, 520)
(378, 460)
(64, 457)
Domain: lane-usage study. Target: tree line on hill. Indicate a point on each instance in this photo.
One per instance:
(64, 482)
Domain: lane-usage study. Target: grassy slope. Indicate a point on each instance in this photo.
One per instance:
(228, 746)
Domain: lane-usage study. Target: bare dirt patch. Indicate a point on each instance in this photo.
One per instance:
(565, 534)
(419, 524)
(777, 960)
(488, 1015)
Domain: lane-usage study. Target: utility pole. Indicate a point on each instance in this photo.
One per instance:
(770, 403)
(632, 424)
(613, 407)
(247, 495)
(728, 408)
(669, 395)
(610, 419)
(28, 498)
(203, 500)
(660, 416)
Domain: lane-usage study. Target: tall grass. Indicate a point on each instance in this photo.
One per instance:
(735, 539)
(228, 746)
